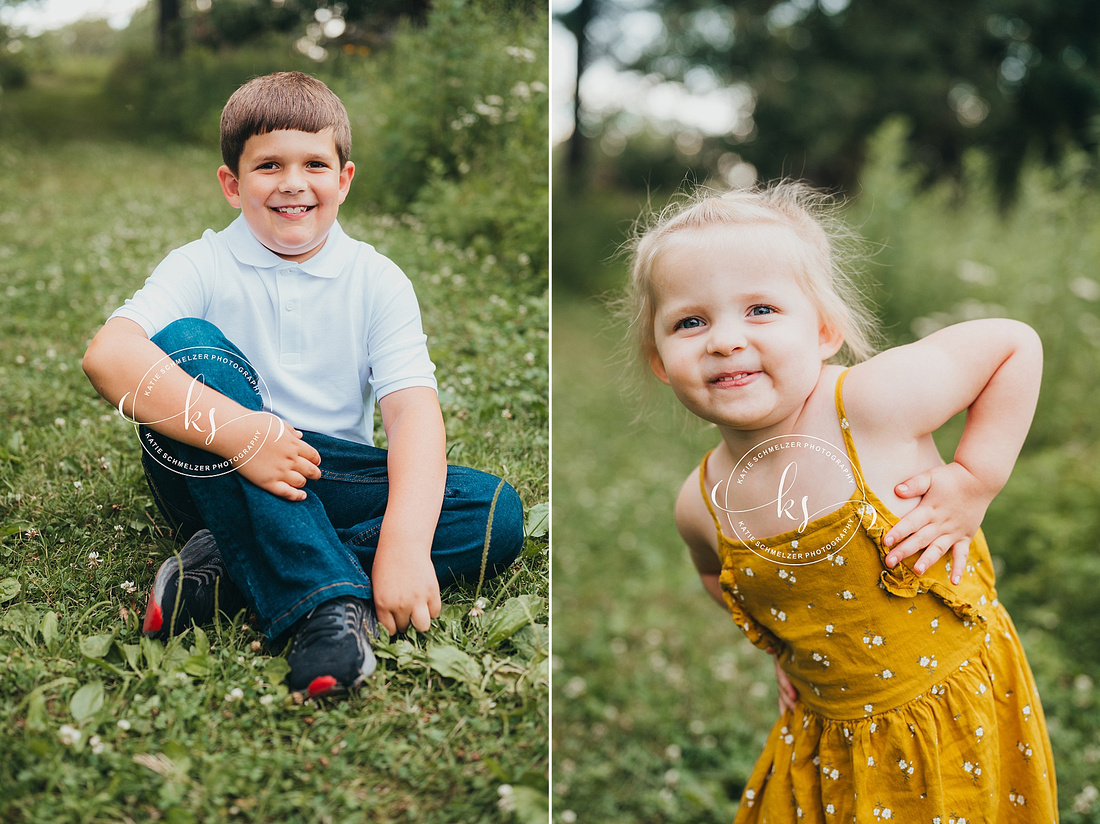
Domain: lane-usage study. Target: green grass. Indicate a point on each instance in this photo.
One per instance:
(203, 729)
(660, 706)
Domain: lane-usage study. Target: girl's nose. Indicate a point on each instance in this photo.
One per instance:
(725, 339)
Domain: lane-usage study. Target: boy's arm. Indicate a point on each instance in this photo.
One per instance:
(406, 589)
(991, 368)
(119, 361)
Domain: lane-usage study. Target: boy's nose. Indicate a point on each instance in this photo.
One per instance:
(292, 183)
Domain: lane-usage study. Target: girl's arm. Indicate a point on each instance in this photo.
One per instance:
(992, 369)
(697, 529)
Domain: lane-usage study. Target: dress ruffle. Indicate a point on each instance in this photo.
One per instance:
(971, 749)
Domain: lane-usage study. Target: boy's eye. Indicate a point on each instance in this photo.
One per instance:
(761, 309)
(689, 323)
(317, 164)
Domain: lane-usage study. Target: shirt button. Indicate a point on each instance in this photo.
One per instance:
(290, 306)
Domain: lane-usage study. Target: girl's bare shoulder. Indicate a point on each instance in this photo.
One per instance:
(693, 518)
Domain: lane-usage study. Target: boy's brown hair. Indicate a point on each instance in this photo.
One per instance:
(284, 100)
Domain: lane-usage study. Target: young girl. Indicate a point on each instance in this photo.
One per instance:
(904, 690)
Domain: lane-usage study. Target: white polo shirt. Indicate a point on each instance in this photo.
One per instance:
(326, 336)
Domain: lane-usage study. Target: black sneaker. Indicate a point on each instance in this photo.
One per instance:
(190, 588)
(330, 651)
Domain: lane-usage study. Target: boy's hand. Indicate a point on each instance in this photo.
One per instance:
(283, 463)
(406, 591)
(952, 505)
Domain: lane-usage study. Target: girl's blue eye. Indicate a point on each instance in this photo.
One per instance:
(758, 311)
(689, 323)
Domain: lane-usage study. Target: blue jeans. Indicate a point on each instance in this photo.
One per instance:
(289, 556)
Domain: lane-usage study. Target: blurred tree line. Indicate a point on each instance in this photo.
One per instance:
(1015, 78)
(447, 98)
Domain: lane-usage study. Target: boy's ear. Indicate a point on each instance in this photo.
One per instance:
(346, 174)
(657, 365)
(231, 186)
(829, 341)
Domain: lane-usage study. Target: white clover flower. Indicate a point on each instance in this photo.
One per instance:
(267, 699)
(94, 560)
(129, 587)
(507, 801)
(69, 735)
(123, 724)
(235, 694)
(478, 608)
(78, 484)
(95, 744)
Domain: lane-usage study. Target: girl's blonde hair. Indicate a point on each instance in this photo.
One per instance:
(833, 254)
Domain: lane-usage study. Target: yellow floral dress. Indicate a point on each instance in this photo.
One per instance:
(915, 700)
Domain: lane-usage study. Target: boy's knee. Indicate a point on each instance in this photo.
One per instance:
(201, 349)
(187, 333)
(506, 530)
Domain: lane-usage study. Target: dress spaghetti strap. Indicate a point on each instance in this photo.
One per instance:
(703, 492)
(845, 429)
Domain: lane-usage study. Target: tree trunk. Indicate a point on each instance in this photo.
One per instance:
(170, 29)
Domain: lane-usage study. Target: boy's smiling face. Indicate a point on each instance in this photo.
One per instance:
(289, 185)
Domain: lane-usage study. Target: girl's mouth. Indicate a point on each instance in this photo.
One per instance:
(734, 379)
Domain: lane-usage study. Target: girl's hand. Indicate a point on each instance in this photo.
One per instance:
(952, 505)
(787, 693)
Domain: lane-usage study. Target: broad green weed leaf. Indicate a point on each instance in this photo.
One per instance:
(96, 646)
(276, 670)
(531, 804)
(505, 620)
(131, 653)
(452, 662)
(153, 652)
(14, 528)
(87, 700)
(202, 643)
(9, 588)
(537, 522)
(48, 628)
(22, 619)
(198, 665)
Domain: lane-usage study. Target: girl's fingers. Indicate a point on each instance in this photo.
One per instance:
(914, 487)
(936, 550)
(906, 533)
(915, 539)
(959, 552)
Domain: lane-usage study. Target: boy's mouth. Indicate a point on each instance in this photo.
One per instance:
(292, 210)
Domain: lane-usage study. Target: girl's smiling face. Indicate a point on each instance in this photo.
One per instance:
(289, 186)
(736, 337)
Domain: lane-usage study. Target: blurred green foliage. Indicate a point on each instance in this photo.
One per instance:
(1017, 78)
(451, 123)
(660, 707)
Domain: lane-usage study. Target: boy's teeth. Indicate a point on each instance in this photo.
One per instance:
(292, 210)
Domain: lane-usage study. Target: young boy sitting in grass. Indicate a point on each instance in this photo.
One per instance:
(252, 358)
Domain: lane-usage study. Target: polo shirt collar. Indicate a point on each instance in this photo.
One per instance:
(250, 252)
